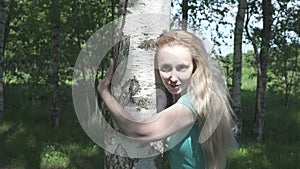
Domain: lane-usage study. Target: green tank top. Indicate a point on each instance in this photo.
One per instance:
(187, 152)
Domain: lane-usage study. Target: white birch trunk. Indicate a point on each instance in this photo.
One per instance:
(237, 66)
(133, 83)
(262, 70)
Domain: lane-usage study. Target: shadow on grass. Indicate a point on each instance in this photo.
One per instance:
(280, 147)
(28, 140)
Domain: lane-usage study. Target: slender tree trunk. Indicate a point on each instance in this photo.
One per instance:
(184, 14)
(237, 65)
(53, 70)
(254, 41)
(262, 70)
(287, 84)
(2, 34)
(133, 83)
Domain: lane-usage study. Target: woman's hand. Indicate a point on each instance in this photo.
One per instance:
(105, 82)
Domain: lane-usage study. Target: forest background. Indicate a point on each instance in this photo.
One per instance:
(40, 41)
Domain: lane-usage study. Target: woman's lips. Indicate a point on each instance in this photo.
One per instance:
(175, 86)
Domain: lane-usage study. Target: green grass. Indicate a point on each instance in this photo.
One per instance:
(28, 141)
(280, 148)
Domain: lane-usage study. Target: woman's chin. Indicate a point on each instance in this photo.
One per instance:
(174, 91)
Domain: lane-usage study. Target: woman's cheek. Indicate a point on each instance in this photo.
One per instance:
(163, 75)
(186, 75)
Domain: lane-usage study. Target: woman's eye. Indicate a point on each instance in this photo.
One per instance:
(181, 68)
(166, 68)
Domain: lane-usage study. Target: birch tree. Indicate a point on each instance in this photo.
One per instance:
(262, 67)
(237, 64)
(260, 40)
(53, 70)
(134, 83)
(2, 33)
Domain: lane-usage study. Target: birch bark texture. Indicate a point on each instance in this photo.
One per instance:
(237, 65)
(262, 65)
(134, 84)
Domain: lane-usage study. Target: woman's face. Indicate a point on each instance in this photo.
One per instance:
(175, 66)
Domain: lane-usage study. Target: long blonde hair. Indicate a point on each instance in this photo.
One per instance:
(209, 96)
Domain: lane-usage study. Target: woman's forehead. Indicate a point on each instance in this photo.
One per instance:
(175, 53)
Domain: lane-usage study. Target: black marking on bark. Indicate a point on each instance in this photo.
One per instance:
(147, 44)
(134, 87)
(143, 103)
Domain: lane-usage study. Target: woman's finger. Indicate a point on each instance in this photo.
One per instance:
(105, 82)
(110, 71)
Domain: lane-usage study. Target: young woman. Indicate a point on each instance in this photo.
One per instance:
(200, 104)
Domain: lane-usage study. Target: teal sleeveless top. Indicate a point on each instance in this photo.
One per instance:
(187, 152)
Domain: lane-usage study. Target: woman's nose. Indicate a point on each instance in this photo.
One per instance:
(173, 77)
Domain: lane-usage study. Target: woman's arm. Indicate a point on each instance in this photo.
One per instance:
(159, 126)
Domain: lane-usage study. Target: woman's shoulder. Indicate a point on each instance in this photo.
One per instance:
(186, 100)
